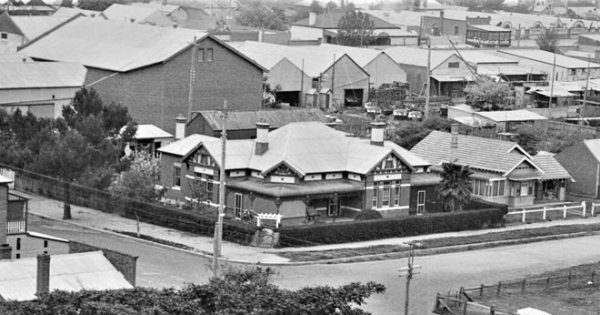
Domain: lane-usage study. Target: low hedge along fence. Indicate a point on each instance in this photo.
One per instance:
(356, 231)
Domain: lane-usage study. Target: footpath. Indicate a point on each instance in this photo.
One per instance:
(233, 252)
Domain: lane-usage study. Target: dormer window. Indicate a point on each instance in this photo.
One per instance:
(3, 35)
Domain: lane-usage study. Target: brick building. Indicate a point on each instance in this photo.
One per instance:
(147, 68)
(298, 171)
(583, 163)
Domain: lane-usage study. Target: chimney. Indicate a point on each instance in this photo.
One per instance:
(43, 274)
(180, 127)
(312, 18)
(377, 133)
(262, 138)
(454, 131)
(441, 22)
(5, 249)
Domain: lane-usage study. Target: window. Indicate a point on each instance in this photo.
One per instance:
(18, 243)
(456, 30)
(453, 65)
(389, 164)
(239, 203)
(573, 71)
(497, 188)
(177, 176)
(209, 54)
(480, 187)
(524, 189)
(375, 190)
(397, 195)
(385, 196)
(420, 201)
(200, 54)
(45, 243)
(18, 256)
(3, 35)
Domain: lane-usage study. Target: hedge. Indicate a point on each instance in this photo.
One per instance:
(356, 231)
(184, 220)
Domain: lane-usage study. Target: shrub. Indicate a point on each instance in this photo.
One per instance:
(367, 215)
(357, 231)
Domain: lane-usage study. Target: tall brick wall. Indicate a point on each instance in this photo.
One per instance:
(125, 264)
(158, 93)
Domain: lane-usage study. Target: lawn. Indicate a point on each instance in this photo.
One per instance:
(582, 298)
(527, 234)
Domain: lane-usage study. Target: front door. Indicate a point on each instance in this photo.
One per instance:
(333, 210)
(420, 202)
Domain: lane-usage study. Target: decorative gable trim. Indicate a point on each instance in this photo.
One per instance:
(275, 166)
(524, 160)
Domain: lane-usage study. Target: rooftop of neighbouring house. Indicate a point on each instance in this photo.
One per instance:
(5, 180)
(137, 14)
(418, 56)
(244, 120)
(70, 272)
(35, 26)
(331, 19)
(149, 131)
(112, 45)
(306, 147)
(19, 75)
(65, 11)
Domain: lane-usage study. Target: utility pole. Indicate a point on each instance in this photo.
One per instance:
(409, 272)
(587, 81)
(552, 86)
(219, 223)
(428, 89)
(301, 100)
(192, 81)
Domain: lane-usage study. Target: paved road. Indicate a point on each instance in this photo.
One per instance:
(159, 266)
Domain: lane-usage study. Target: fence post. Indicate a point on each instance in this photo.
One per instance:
(464, 307)
(569, 281)
(583, 207)
(524, 216)
(593, 276)
(548, 283)
(593, 208)
(481, 287)
(492, 310)
(564, 211)
(523, 284)
(499, 288)
(544, 214)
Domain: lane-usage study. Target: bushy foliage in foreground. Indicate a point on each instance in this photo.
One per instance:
(238, 292)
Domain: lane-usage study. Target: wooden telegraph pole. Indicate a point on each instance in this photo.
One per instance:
(219, 223)
(409, 272)
(428, 89)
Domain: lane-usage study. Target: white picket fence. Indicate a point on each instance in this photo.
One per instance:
(594, 208)
(578, 209)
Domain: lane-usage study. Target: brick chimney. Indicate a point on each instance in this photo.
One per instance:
(43, 274)
(262, 138)
(441, 22)
(5, 249)
(180, 127)
(377, 133)
(454, 132)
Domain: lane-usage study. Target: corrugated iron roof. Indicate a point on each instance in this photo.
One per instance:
(137, 14)
(594, 146)
(479, 153)
(149, 131)
(548, 58)
(112, 45)
(14, 58)
(417, 56)
(551, 167)
(41, 75)
(65, 11)
(308, 147)
(511, 115)
(70, 272)
(37, 25)
(247, 119)
(331, 19)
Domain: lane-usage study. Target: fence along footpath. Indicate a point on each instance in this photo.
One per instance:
(577, 209)
(184, 220)
(463, 301)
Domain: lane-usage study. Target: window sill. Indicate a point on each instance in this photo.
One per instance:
(176, 188)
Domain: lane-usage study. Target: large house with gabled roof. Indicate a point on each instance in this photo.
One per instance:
(299, 171)
(147, 68)
(503, 172)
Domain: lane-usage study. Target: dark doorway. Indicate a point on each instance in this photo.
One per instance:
(353, 97)
(290, 97)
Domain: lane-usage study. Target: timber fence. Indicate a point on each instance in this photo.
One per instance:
(464, 302)
(549, 212)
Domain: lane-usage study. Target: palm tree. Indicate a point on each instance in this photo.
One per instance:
(455, 188)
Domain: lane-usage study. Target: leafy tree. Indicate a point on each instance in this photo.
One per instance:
(331, 6)
(408, 134)
(315, 7)
(455, 187)
(139, 181)
(548, 40)
(355, 29)
(489, 95)
(98, 5)
(530, 138)
(257, 14)
(237, 292)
